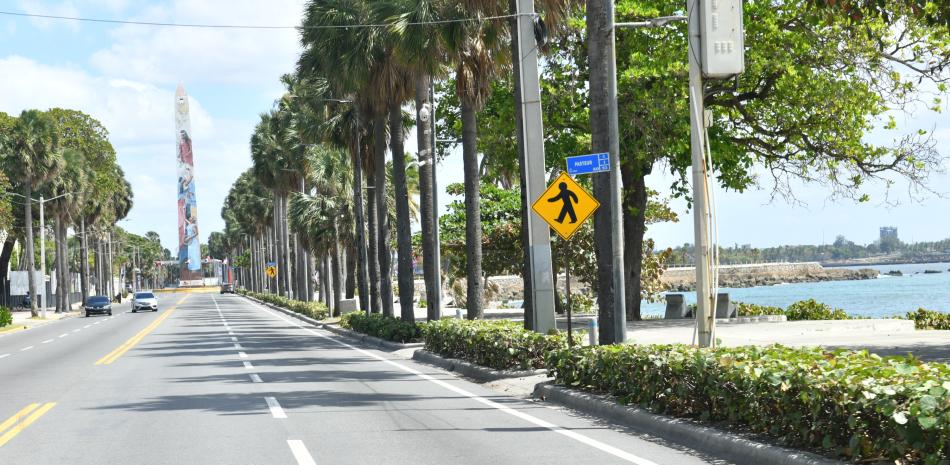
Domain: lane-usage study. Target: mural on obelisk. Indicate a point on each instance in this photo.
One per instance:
(189, 246)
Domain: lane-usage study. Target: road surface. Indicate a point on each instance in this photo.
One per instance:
(213, 379)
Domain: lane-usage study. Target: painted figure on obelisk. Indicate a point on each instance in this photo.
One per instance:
(189, 246)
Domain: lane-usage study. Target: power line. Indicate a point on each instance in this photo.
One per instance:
(248, 26)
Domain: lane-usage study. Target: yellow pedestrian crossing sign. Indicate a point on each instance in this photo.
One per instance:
(565, 206)
(271, 271)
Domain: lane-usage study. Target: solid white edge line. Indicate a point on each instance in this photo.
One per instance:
(275, 410)
(248, 366)
(255, 378)
(300, 452)
(524, 416)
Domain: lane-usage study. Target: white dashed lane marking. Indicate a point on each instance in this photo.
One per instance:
(47, 341)
(255, 378)
(275, 410)
(26, 348)
(300, 452)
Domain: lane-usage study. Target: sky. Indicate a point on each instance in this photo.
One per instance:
(125, 76)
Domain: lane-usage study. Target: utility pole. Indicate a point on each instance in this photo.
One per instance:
(705, 300)
(42, 297)
(531, 132)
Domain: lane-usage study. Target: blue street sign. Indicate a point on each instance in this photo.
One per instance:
(588, 164)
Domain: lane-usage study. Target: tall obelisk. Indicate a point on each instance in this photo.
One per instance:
(189, 245)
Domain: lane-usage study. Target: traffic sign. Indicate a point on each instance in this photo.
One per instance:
(588, 164)
(271, 271)
(565, 206)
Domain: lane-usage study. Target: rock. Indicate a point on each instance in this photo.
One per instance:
(932, 271)
(895, 273)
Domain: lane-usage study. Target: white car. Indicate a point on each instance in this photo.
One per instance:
(144, 301)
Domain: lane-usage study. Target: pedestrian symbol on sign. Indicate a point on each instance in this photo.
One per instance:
(565, 206)
(569, 198)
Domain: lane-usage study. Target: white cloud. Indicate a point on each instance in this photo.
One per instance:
(140, 119)
(67, 8)
(168, 55)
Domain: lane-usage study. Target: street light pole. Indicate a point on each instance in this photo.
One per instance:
(531, 132)
(42, 294)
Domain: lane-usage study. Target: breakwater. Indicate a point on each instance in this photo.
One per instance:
(765, 274)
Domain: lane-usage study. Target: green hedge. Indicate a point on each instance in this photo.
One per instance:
(500, 344)
(6, 316)
(315, 310)
(929, 319)
(846, 403)
(383, 327)
(803, 310)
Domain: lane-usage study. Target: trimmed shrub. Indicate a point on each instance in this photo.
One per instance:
(744, 309)
(802, 310)
(315, 310)
(6, 316)
(383, 327)
(501, 345)
(929, 319)
(845, 403)
(813, 310)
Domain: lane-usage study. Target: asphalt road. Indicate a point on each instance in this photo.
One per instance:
(213, 379)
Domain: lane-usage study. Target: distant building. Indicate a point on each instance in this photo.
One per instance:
(888, 233)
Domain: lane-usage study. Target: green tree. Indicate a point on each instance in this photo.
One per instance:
(33, 160)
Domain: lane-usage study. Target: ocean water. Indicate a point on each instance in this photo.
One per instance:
(885, 296)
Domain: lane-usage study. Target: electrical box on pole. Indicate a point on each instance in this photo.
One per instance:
(722, 43)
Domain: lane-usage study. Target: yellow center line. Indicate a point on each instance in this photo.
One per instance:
(134, 340)
(6, 437)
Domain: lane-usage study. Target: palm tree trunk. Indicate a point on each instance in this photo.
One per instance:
(109, 268)
(58, 242)
(335, 271)
(382, 215)
(426, 205)
(325, 282)
(277, 249)
(84, 262)
(373, 253)
(634, 228)
(31, 265)
(362, 276)
(403, 231)
(599, 55)
(350, 271)
(285, 243)
(473, 220)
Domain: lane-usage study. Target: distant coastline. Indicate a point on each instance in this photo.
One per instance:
(765, 274)
(887, 260)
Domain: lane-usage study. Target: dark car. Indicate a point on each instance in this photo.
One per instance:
(227, 288)
(98, 304)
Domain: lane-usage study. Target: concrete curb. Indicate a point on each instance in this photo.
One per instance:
(706, 439)
(360, 337)
(471, 370)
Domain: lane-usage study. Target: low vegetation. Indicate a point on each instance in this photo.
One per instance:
(929, 319)
(501, 345)
(853, 404)
(315, 310)
(803, 310)
(383, 327)
(6, 317)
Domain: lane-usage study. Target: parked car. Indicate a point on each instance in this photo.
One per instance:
(98, 304)
(227, 288)
(144, 301)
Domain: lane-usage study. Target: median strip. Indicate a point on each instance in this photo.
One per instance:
(21, 420)
(134, 340)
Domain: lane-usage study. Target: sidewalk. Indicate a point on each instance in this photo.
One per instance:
(22, 319)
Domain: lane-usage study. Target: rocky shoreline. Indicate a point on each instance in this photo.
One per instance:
(683, 279)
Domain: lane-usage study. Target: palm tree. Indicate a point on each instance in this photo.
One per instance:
(32, 161)
(68, 188)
